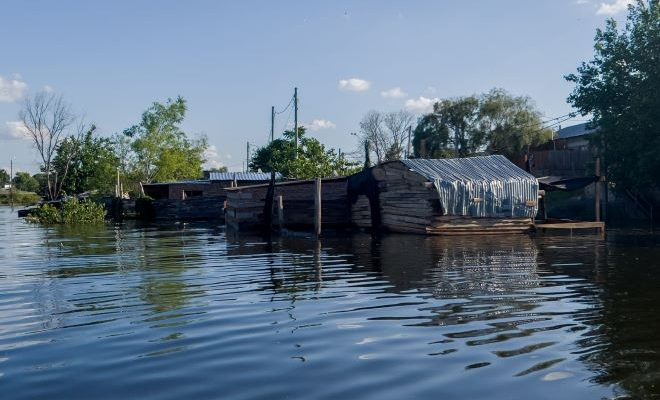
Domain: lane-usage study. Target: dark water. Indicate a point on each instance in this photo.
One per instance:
(187, 312)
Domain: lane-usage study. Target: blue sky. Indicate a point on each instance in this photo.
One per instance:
(232, 60)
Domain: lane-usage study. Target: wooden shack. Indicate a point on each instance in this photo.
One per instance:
(476, 195)
(200, 199)
(246, 205)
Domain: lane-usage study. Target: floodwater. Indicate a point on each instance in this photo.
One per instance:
(192, 312)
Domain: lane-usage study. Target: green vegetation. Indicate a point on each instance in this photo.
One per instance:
(160, 151)
(72, 212)
(20, 197)
(313, 159)
(91, 163)
(4, 177)
(620, 88)
(76, 160)
(492, 123)
(25, 182)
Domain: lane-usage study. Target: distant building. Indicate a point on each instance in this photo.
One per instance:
(575, 137)
(212, 187)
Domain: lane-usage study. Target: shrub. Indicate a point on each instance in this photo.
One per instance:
(72, 212)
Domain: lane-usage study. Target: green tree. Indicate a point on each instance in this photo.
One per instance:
(91, 162)
(510, 125)
(620, 89)
(313, 159)
(4, 177)
(492, 123)
(163, 152)
(25, 182)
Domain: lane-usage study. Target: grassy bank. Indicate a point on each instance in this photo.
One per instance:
(20, 197)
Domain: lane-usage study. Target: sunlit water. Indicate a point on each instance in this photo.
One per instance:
(191, 312)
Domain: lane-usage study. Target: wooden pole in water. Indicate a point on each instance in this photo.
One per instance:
(597, 190)
(317, 207)
(280, 212)
(11, 182)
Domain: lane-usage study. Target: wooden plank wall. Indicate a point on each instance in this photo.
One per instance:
(245, 205)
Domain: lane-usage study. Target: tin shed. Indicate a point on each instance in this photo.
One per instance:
(486, 194)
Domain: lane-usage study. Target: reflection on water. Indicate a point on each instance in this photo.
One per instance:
(188, 312)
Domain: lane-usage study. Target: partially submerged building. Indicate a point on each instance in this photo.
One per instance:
(476, 195)
(198, 199)
(246, 205)
(442, 197)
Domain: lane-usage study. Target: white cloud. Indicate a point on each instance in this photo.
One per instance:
(394, 93)
(12, 89)
(212, 158)
(319, 124)
(354, 85)
(613, 8)
(421, 105)
(48, 89)
(15, 130)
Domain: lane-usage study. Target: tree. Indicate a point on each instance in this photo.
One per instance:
(162, 151)
(431, 138)
(620, 88)
(4, 177)
(47, 119)
(25, 182)
(386, 133)
(511, 125)
(313, 159)
(492, 123)
(92, 163)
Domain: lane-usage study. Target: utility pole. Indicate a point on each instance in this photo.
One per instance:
(295, 117)
(272, 123)
(247, 158)
(408, 148)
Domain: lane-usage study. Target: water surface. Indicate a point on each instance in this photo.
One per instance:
(190, 311)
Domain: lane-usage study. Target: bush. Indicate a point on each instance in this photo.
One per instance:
(72, 212)
(21, 198)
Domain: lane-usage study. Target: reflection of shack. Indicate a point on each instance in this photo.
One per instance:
(486, 267)
(477, 195)
(202, 199)
(246, 204)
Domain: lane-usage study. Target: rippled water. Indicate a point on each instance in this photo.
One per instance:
(190, 312)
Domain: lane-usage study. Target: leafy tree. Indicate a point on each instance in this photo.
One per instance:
(431, 138)
(91, 162)
(25, 182)
(620, 88)
(42, 180)
(313, 159)
(492, 123)
(4, 177)
(162, 150)
(510, 125)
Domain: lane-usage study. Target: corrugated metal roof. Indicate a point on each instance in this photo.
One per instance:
(242, 176)
(486, 186)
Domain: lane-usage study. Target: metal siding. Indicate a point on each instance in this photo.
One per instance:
(503, 187)
(242, 176)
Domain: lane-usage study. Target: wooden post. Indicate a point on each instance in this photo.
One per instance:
(597, 190)
(280, 212)
(317, 207)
